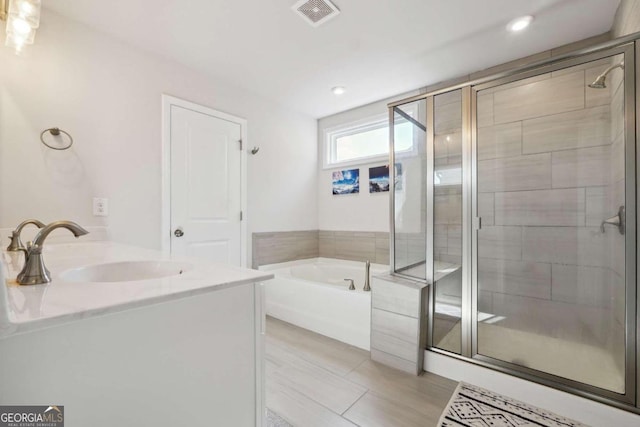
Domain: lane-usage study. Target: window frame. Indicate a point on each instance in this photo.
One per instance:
(331, 135)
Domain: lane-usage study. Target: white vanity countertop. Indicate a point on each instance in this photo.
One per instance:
(25, 308)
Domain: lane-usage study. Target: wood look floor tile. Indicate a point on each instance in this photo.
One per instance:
(315, 381)
(373, 410)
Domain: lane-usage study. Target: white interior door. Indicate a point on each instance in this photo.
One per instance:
(206, 184)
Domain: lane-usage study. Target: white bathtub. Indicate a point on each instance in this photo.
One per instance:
(313, 294)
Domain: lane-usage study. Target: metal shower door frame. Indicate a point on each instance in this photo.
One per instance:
(631, 303)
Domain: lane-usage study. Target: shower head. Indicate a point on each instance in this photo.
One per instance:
(600, 81)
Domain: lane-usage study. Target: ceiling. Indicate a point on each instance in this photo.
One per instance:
(375, 48)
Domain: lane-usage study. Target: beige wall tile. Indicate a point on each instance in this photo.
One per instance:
(576, 129)
(564, 207)
(581, 168)
(394, 362)
(357, 249)
(485, 301)
(484, 109)
(500, 141)
(553, 96)
(530, 279)
(500, 242)
(326, 247)
(382, 256)
(598, 205)
(530, 172)
(447, 209)
(582, 285)
(276, 247)
(518, 83)
(396, 325)
(440, 236)
(394, 297)
(617, 161)
(448, 112)
(617, 114)
(565, 245)
(485, 208)
(617, 251)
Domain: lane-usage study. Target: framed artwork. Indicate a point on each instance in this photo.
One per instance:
(379, 179)
(346, 181)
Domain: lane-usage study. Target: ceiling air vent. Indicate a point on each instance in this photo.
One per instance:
(316, 12)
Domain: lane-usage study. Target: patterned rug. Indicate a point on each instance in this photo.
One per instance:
(472, 406)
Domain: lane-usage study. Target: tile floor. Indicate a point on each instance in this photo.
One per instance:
(314, 381)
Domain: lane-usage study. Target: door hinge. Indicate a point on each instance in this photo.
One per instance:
(477, 223)
(241, 215)
(240, 141)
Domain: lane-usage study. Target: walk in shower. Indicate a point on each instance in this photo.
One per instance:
(517, 203)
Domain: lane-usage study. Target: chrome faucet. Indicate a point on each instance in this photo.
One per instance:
(16, 243)
(34, 271)
(367, 274)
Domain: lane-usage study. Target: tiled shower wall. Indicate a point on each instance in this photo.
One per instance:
(548, 173)
(276, 247)
(355, 246)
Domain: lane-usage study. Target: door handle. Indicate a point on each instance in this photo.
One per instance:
(178, 232)
(619, 221)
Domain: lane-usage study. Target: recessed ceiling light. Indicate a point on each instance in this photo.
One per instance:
(520, 23)
(338, 90)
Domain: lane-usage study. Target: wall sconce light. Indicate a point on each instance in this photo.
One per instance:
(23, 18)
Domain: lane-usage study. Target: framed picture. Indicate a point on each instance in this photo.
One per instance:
(379, 179)
(346, 181)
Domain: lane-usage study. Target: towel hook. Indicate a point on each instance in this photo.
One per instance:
(56, 132)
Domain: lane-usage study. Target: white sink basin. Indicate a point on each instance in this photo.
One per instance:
(129, 271)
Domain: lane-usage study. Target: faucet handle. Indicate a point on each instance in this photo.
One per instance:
(352, 286)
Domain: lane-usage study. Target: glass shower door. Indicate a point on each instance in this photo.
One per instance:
(555, 193)
(409, 189)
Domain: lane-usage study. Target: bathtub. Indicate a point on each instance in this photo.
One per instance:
(313, 294)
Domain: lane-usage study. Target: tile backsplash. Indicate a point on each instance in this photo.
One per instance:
(276, 247)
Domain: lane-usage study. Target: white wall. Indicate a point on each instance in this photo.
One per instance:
(108, 96)
(352, 212)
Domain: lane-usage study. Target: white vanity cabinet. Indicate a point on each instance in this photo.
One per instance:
(184, 359)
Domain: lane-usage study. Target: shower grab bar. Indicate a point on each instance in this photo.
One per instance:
(618, 221)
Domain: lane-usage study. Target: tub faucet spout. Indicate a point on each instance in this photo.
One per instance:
(367, 276)
(34, 271)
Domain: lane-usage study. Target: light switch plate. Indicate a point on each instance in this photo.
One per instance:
(100, 206)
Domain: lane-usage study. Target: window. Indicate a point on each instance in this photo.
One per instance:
(364, 141)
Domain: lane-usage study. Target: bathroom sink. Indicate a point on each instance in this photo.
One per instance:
(129, 271)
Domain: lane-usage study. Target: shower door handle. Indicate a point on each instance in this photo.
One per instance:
(618, 221)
